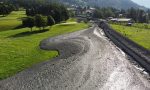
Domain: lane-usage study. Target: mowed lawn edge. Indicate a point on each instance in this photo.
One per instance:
(19, 48)
(138, 35)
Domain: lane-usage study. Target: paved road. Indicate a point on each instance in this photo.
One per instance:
(87, 61)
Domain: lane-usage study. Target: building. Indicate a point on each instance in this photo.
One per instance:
(125, 21)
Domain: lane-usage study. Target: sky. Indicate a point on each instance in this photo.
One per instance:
(145, 3)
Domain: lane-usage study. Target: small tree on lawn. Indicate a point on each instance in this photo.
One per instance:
(29, 22)
(50, 20)
(38, 21)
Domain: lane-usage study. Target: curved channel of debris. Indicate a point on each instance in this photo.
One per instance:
(87, 61)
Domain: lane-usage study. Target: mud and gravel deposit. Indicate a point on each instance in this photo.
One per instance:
(87, 61)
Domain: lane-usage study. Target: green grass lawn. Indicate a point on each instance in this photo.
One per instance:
(141, 25)
(11, 21)
(19, 48)
(72, 20)
(138, 35)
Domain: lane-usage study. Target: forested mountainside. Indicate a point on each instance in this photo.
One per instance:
(119, 4)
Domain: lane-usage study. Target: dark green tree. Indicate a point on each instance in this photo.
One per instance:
(57, 11)
(141, 16)
(5, 9)
(50, 20)
(40, 21)
(98, 14)
(64, 13)
(109, 13)
(132, 13)
(28, 22)
(44, 22)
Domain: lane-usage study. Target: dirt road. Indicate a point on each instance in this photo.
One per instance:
(87, 61)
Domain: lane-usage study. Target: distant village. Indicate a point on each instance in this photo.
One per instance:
(82, 13)
(86, 13)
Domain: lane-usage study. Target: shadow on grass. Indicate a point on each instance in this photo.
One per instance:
(28, 33)
(18, 27)
(2, 16)
(12, 28)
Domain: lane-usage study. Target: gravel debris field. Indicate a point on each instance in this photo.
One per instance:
(88, 61)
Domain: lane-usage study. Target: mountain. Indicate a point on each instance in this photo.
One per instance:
(120, 4)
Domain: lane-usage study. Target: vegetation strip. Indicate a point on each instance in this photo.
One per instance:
(138, 33)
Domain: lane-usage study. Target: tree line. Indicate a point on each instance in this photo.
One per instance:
(137, 15)
(57, 11)
(38, 21)
(44, 7)
(40, 13)
(45, 15)
(6, 9)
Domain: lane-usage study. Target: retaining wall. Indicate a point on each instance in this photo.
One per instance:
(137, 52)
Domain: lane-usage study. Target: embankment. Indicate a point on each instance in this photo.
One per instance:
(137, 52)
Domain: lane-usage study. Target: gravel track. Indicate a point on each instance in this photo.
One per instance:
(87, 61)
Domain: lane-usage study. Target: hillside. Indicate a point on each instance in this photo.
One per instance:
(121, 4)
(114, 3)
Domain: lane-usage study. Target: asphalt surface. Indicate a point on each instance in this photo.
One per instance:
(87, 61)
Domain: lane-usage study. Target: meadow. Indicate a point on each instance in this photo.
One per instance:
(142, 25)
(19, 48)
(138, 33)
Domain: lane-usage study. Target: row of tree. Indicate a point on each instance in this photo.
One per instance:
(6, 9)
(42, 15)
(104, 12)
(138, 15)
(33, 7)
(38, 21)
(58, 11)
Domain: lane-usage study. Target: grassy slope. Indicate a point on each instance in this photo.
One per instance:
(72, 20)
(141, 25)
(11, 21)
(19, 49)
(139, 35)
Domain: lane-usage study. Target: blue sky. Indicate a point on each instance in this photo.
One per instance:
(145, 3)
